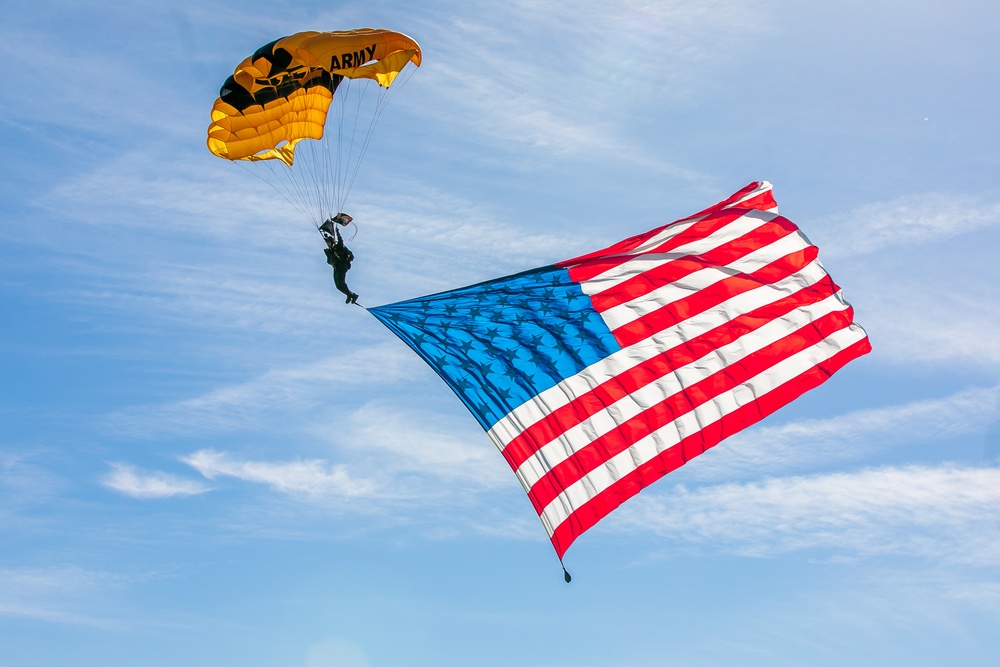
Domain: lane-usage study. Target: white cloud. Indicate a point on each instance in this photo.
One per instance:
(922, 276)
(305, 477)
(519, 84)
(206, 198)
(416, 464)
(104, 94)
(56, 579)
(850, 436)
(931, 313)
(335, 651)
(216, 248)
(290, 391)
(429, 241)
(22, 481)
(132, 482)
(60, 594)
(384, 451)
(930, 217)
(935, 513)
(445, 449)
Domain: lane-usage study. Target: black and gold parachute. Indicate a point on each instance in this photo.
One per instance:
(282, 95)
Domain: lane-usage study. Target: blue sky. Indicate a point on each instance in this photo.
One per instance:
(207, 458)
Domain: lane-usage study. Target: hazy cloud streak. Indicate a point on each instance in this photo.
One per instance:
(929, 217)
(310, 478)
(850, 436)
(130, 481)
(946, 513)
(246, 405)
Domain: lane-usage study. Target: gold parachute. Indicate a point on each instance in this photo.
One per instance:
(282, 95)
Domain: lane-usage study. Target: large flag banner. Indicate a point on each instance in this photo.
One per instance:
(598, 375)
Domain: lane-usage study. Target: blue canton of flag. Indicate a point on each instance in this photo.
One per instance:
(501, 342)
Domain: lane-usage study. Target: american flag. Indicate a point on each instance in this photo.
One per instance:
(596, 376)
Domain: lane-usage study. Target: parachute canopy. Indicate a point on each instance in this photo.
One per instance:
(280, 95)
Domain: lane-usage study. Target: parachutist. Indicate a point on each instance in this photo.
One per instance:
(339, 257)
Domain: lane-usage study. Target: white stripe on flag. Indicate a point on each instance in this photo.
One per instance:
(604, 421)
(756, 192)
(537, 407)
(652, 445)
(630, 311)
(739, 227)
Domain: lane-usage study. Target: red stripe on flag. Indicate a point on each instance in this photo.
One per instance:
(594, 264)
(762, 201)
(652, 419)
(672, 271)
(559, 420)
(607, 500)
(703, 299)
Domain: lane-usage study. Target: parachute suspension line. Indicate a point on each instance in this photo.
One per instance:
(351, 168)
(327, 185)
(346, 164)
(310, 163)
(383, 97)
(284, 191)
(351, 100)
(340, 102)
(326, 169)
(401, 80)
(282, 181)
(307, 185)
(295, 181)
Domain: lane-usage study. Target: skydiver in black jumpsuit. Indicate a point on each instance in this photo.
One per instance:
(339, 257)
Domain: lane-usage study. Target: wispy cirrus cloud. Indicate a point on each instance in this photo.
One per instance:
(250, 403)
(63, 594)
(165, 35)
(926, 217)
(383, 450)
(549, 92)
(943, 513)
(851, 436)
(231, 253)
(922, 322)
(921, 274)
(136, 483)
(447, 450)
(24, 481)
(312, 478)
(387, 457)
